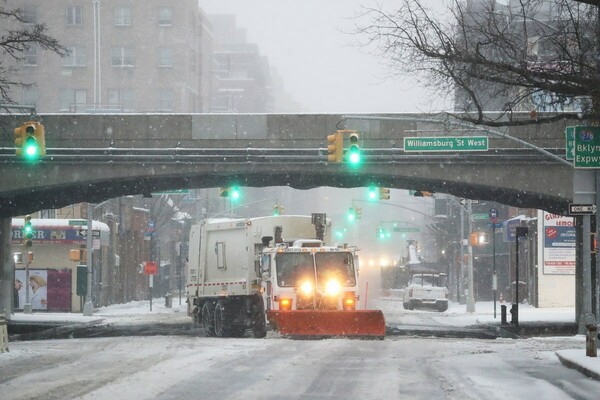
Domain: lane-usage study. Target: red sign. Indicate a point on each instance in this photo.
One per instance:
(150, 268)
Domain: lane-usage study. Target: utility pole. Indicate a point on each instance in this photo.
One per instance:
(462, 254)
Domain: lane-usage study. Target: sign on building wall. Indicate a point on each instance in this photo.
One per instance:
(559, 245)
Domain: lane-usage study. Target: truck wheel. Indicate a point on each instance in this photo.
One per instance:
(208, 320)
(222, 323)
(259, 325)
(442, 307)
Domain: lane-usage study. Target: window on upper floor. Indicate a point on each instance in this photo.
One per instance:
(123, 16)
(30, 96)
(165, 16)
(165, 57)
(121, 98)
(76, 56)
(71, 99)
(73, 15)
(30, 56)
(165, 100)
(123, 56)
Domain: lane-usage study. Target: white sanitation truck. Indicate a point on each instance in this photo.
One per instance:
(279, 271)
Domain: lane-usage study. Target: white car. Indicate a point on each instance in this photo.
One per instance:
(426, 290)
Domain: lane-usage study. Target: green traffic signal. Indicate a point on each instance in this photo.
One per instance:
(351, 214)
(235, 193)
(373, 193)
(354, 156)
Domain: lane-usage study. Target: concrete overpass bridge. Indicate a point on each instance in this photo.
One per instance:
(96, 157)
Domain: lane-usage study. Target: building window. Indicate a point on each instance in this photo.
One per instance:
(73, 15)
(30, 14)
(165, 16)
(76, 56)
(123, 56)
(30, 96)
(122, 99)
(72, 99)
(30, 56)
(122, 16)
(165, 100)
(165, 57)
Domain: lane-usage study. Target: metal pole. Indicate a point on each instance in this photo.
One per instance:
(494, 276)
(88, 308)
(27, 306)
(516, 316)
(462, 254)
(586, 310)
(471, 298)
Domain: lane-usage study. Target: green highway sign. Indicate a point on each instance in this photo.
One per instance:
(587, 147)
(450, 144)
(570, 143)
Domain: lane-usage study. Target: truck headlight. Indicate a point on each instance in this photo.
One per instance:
(333, 288)
(306, 288)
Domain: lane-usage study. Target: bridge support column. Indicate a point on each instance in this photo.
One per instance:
(7, 268)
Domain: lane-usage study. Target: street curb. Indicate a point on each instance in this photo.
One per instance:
(570, 364)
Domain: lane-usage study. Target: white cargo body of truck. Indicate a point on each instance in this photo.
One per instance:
(242, 270)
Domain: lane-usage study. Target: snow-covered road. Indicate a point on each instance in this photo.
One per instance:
(169, 367)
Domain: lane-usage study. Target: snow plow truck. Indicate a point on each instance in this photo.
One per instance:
(275, 272)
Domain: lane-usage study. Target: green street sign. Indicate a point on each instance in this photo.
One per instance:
(449, 144)
(480, 216)
(407, 229)
(174, 191)
(587, 147)
(570, 143)
(77, 222)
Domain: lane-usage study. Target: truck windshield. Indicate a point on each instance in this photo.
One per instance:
(339, 266)
(294, 266)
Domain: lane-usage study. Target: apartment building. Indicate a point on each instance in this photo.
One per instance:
(123, 56)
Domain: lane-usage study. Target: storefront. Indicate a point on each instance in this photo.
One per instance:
(52, 273)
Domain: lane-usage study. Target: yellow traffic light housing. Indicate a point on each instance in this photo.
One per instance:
(354, 156)
(335, 147)
(384, 193)
(478, 239)
(30, 141)
(224, 191)
(357, 212)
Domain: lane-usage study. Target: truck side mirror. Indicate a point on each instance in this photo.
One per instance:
(265, 276)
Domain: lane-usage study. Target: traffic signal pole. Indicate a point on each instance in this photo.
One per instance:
(88, 308)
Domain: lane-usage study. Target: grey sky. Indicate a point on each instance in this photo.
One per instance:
(305, 42)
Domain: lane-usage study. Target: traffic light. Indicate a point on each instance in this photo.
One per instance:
(422, 193)
(224, 191)
(27, 232)
(372, 193)
(478, 239)
(235, 193)
(357, 212)
(30, 141)
(382, 233)
(384, 194)
(354, 156)
(351, 214)
(278, 210)
(335, 147)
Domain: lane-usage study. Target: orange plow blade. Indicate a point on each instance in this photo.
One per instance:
(363, 323)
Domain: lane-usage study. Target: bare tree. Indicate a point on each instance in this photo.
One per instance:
(18, 34)
(517, 55)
